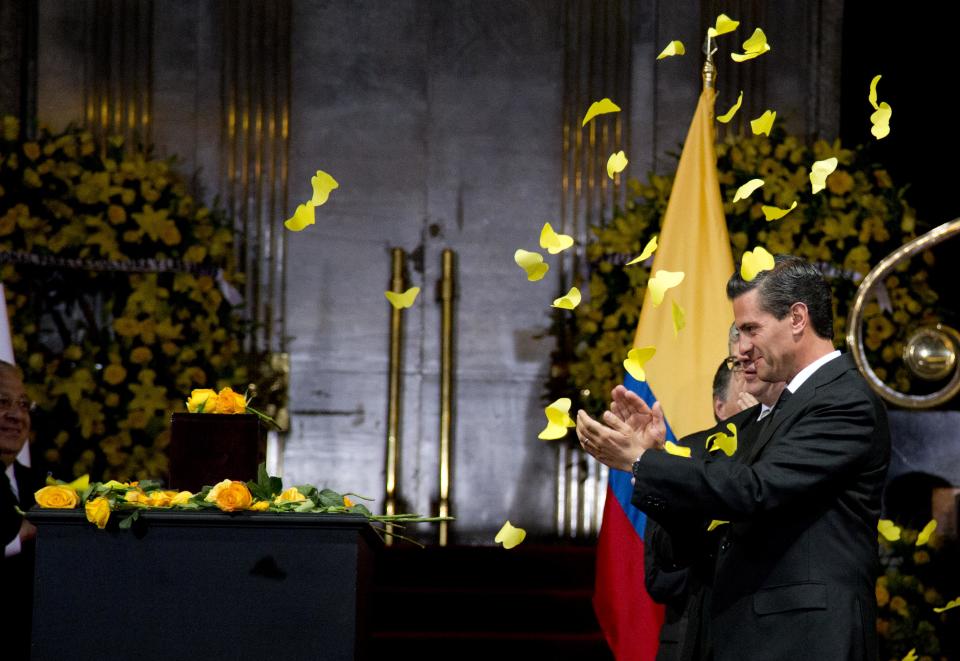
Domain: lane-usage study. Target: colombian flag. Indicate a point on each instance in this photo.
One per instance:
(693, 239)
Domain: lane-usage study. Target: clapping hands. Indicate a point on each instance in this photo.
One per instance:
(627, 430)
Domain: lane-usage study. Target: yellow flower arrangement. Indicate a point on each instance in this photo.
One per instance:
(112, 272)
(266, 494)
(915, 580)
(227, 401)
(857, 220)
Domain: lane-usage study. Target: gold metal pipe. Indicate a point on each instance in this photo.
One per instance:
(447, 293)
(397, 284)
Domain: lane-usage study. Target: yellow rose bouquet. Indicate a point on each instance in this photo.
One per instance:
(265, 494)
(206, 400)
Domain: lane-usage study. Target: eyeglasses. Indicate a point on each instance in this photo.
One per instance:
(733, 363)
(22, 404)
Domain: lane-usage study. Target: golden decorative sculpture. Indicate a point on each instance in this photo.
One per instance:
(930, 352)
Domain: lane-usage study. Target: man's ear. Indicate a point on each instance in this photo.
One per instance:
(799, 317)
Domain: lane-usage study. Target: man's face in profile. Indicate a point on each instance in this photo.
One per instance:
(764, 341)
(14, 416)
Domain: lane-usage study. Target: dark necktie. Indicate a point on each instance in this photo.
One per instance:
(784, 396)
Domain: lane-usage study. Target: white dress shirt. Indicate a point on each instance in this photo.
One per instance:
(13, 548)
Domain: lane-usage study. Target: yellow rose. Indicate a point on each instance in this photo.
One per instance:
(32, 150)
(181, 498)
(215, 491)
(57, 497)
(136, 496)
(231, 496)
(160, 498)
(116, 214)
(141, 355)
(883, 596)
(126, 326)
(291, 495)
(229, 401)
(114, 374)
(98, 511)
(202, 400)
(347, 502)
(170, 235)
(260, 506)
(899, 605)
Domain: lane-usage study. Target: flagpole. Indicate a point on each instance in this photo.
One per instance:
(709, 68)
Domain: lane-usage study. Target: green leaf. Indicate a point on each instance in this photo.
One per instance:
(127, 522)
(359, 508)
(329, 498)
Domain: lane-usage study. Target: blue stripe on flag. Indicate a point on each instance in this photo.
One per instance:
(619, 481)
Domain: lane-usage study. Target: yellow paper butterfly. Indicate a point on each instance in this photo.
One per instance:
(673, 48)
(679, 318)
(568, 301)
(322, 184)
(727, 443)
(753, 47)
(676, 450)
(616, 163)
(762, 124)
(928, 529)
(727, 116)
(747, 189)
(510, 536)
(776, 213)
(601, 107)
(648, 250)
(303, 216)
(558, 420)
(888, 529)
(661, 282)
(724, 25)
(819, 172)
(532, 263)
(636, 359)
(553, 242)
(755, 261)
(402, 300)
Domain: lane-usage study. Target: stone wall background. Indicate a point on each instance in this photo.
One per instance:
(442, 122)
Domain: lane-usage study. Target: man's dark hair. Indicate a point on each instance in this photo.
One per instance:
(721, 381)
(791, 280)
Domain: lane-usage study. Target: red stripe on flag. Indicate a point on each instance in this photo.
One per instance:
(630, 619)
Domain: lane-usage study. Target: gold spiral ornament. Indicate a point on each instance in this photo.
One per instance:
(930, 351)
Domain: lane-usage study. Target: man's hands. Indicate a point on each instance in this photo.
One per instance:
(745, 400)
(627, 430)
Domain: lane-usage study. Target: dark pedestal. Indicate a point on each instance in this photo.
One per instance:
(202, 586)
(208, 447)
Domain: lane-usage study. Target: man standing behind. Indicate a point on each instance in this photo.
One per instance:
(796, 568)
(16, 533)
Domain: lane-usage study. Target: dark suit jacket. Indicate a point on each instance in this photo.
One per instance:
(796, 568)
(16, 572)
(680, 575)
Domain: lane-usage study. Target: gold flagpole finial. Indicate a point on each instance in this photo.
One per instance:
(709, 68)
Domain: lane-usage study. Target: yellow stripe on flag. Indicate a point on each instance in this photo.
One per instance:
(693, 239)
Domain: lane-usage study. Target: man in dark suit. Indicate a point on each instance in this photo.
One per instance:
(684, 590)
(17, 486)
(796, 567)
